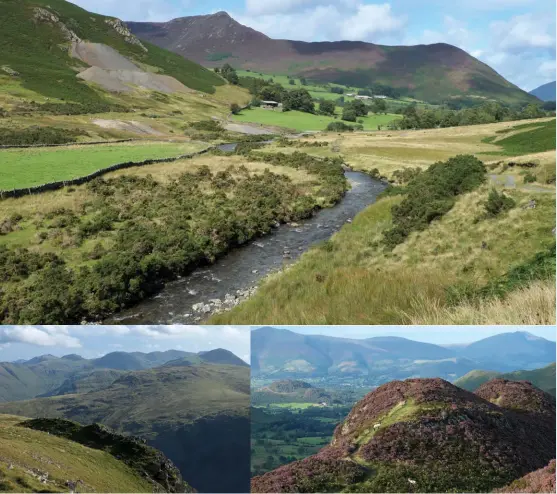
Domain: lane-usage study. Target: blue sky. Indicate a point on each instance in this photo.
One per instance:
(515, 37)
(441, 335)
(25, 342)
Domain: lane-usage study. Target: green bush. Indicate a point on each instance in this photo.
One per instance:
(432, 194)
(529, 178)
(498, 203)
(339, 127)
(38, 135)
(207, 125)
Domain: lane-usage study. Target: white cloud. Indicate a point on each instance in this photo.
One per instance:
(524, 33)
(325, 20)
(269, 7)
(455, 32)
(39, 336)
(137, 10)
(174, 331)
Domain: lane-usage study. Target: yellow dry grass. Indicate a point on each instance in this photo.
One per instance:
(165, 172)
(533, 305)
(389, 150)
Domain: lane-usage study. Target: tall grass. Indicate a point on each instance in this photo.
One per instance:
(532, 305)
(351, 279)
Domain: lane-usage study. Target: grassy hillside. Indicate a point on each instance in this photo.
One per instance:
(38, 51)
(542, 378)
(430, 277)
(35, 461)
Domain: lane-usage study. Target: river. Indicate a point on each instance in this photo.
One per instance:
(193, 298)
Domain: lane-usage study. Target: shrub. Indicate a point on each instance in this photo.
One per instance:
(529, 178)
(432, 194)
(349, 115)
(498, 203)
(339, 127)
(38, 135)
(207, 125)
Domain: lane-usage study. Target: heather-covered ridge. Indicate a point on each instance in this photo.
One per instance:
(520, 396)
(542, 480)
(428, 435)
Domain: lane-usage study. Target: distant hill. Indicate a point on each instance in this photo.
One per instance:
(221, 356)
(55, 49)
(542, 378)
(429, 72)
(279, 353)
(291, 391)
(178, 410)
(47, 375)
(427, 435)
(545, 92)
(518, 350)
(66, 453)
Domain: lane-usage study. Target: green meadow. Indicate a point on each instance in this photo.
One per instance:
(301, 121)
(36, 166)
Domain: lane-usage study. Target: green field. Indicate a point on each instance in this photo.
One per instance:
(29, 167)
(299, 406)
(301, 121)
(323, 91)
(288, 433)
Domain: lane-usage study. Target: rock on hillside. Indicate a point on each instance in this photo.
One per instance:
(542, 480)
(145, 460)
(429, 436)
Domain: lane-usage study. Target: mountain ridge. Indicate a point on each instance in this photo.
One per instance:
(279, 353)
(48, 375)
(545, 92)
(212, 40)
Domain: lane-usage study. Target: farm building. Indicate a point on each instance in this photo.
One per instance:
(270, 105)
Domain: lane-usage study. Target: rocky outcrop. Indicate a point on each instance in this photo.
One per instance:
(123, 30)
(150, 463)
(44, 15)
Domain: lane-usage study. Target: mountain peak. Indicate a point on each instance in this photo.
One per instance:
(221, 13)
(73, 356)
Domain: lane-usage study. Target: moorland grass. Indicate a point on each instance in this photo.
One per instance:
(28, 167)
(351, 279)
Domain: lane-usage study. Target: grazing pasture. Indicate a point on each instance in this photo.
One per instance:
(35, 166)
(301, 121)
